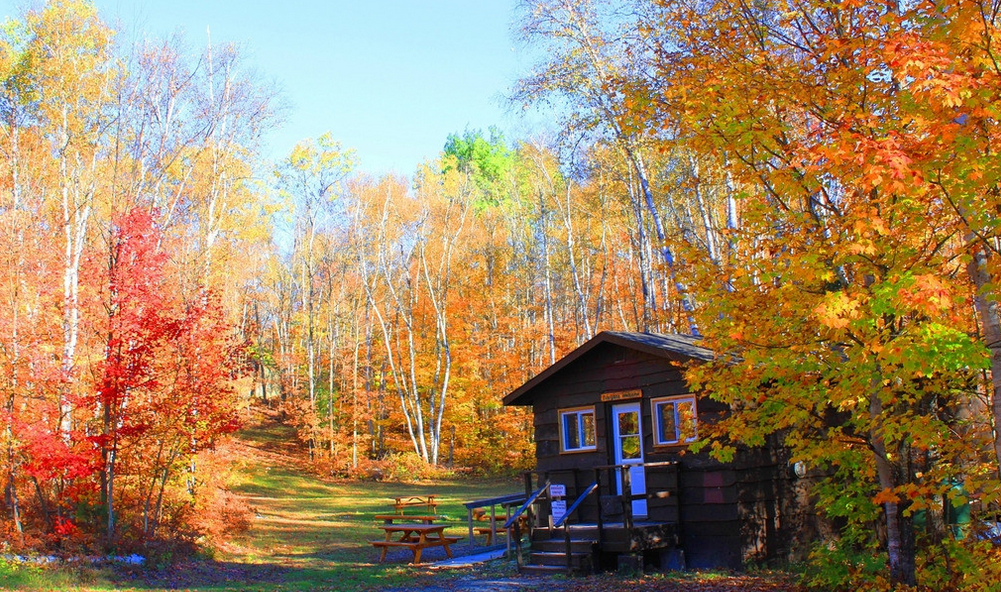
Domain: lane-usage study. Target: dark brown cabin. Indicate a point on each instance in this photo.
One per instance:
(617, 412)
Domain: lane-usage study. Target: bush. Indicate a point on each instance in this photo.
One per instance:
(406, 466)
(842, 565)
(950, 565)
(970, 565)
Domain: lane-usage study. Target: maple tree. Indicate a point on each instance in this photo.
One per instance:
(842, 292)
(163, 385)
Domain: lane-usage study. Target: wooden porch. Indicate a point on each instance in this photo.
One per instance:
(598, 523)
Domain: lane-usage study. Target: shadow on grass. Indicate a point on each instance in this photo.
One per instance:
(224, 576)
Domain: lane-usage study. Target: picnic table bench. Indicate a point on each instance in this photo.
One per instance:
(391, 518)
(489, 531)
(415, 537)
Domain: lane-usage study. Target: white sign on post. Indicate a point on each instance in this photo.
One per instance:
(557, 490)
(559, 509)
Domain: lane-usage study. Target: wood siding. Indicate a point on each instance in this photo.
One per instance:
(751, 510)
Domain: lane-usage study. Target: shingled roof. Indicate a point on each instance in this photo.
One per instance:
(670, 346)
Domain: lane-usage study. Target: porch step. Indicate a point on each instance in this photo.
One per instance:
(549, 556)
(560, 545)
(542, 570)
(559, 559)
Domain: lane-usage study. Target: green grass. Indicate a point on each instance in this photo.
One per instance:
(313, 534)
(307, 533)
(320, 532)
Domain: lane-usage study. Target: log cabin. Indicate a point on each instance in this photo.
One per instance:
(615, 484)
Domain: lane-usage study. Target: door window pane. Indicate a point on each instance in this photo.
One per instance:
(630, 447)
(629, 423)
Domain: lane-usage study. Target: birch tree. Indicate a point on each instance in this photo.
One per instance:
(309, 179)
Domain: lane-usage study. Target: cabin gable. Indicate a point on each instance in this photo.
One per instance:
(603, 377)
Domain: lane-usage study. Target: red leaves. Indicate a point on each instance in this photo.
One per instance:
(65, 527)
(49, 456)
(172, 358)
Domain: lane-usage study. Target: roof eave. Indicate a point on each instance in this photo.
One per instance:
(614, 337)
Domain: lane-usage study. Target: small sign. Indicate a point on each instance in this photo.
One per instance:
(559, 509)
(557, 490)
(621, 395)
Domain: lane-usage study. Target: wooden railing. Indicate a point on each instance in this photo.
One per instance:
(590, 489)
(625, 495)
(526, 507)
(566, 531)
(504, 501)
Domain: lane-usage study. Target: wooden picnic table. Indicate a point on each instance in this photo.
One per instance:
(427, 501)
(490, 531)
(415, 537)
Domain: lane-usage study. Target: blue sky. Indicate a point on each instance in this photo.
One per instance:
(389, 78)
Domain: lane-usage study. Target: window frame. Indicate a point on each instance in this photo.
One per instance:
(655, 417)
(579, 412)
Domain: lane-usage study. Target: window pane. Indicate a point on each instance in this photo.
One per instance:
(630, 447)
(665, 420)
(587, 427)
(686, 420)
(629, 423)
(571, 431)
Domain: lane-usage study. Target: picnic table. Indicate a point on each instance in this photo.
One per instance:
(391, 518)
(428, 501)
(415, 537)
(490, 531)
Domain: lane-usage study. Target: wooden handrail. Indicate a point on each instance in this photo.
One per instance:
(531, 500)
(510, 498)
(654, 465)
(590, 489)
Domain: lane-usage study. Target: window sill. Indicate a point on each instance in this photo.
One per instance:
(579, 450)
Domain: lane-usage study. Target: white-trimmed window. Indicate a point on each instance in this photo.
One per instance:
(577, 431)
(675, 420)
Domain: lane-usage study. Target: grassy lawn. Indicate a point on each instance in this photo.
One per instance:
(309, 533)
(306, 534)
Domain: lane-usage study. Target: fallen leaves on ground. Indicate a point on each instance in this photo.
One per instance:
(690, 582)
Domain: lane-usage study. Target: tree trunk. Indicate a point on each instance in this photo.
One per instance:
(110, 533)
(900, 545)
(548, 282)
(43, 505)
(989, 312)
(12, 500)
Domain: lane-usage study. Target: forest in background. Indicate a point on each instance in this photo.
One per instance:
(810, 186)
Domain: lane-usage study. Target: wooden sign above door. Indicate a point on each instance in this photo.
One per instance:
(621, 395)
